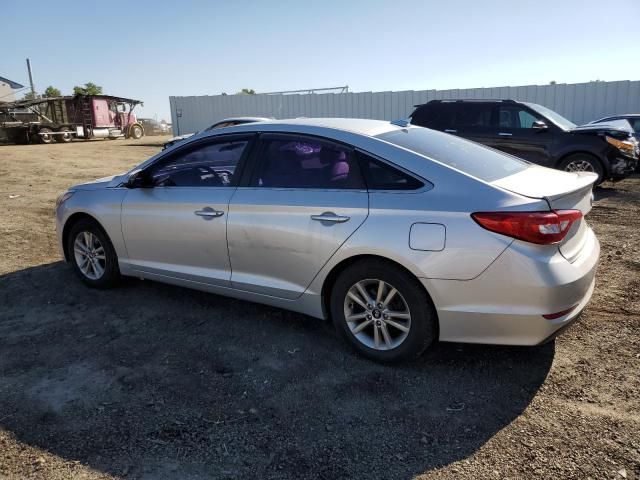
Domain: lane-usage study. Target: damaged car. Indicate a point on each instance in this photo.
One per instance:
(537, 134)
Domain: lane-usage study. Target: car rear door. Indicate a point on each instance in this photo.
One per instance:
(516, 134)
(470, 120)
(175, 225)
(304, 199)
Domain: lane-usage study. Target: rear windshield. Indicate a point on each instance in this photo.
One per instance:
(468, 157)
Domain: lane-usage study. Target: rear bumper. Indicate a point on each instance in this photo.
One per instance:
(506, 303)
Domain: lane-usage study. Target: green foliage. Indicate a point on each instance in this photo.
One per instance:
(52, 92)
(246, 91)
(30, 96)
(88, 89)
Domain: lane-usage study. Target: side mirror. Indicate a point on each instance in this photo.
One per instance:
(137, 179)
(539, 125)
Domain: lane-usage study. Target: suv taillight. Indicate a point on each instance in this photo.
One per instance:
(543, 228)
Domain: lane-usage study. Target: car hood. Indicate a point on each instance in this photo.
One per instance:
(103, 182)
(180, 137)
(614, 127)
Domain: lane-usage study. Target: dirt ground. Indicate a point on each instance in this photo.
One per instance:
(153, 381)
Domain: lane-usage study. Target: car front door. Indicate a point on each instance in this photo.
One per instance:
(306, 196)
(521, 133)
(174, 224)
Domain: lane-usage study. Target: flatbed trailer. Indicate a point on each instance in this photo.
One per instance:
(64, 118)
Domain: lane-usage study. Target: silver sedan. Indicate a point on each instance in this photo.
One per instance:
(400, 235)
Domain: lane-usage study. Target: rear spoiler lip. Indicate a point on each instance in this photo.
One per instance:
(583, 180)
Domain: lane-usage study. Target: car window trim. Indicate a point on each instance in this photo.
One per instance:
(256, 160)
(206, 141)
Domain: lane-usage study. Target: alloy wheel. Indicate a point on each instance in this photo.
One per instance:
(377, 314)
(579, 166)
(89, 255)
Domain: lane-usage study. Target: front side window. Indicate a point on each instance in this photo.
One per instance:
(512, 116)
(210, 165)
(293, 161)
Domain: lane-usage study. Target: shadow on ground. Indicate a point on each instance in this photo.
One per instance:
(154, 381)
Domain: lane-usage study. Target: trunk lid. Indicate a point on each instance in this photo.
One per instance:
(561, 191)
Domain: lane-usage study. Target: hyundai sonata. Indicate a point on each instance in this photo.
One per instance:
(399, 234)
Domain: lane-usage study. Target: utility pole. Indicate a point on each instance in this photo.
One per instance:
(33, 90)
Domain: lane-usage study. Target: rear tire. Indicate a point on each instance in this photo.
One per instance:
(583, 162)
(92, 255)
(406, 322)
(45, 135)
(66, 137)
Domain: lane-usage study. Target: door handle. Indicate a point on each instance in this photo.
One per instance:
(208, 213)
(448, 130)
(330, 217)
(505, 134)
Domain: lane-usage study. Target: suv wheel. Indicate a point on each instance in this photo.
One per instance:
(581, 162)
(382, 311)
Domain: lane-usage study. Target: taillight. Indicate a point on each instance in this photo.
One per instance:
(544, 228)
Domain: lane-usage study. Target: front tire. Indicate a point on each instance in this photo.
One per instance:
(582, 162)
(92, 255)
(382, 311)
(136, 132)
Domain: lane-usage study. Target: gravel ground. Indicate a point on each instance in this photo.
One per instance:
(153, 381)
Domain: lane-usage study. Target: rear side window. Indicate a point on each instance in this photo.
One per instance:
(468, 157)
(297, 161)
(469, 115)
(381, 176)
(453, 115)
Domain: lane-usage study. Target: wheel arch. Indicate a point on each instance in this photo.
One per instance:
(68, 225)
(340, 267)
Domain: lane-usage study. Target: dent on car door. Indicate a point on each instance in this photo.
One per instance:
(305, 198)
(175, 224)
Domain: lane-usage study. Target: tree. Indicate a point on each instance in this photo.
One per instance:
(88, 89)
(246, 91)
(552, 82)
(52, 92)
(30, 96)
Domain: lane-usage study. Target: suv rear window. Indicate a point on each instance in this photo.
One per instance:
(468, 157)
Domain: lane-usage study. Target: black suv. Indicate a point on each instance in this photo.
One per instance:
(537, 134)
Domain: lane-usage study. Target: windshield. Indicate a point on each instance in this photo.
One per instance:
(468, 157)
(555, 117)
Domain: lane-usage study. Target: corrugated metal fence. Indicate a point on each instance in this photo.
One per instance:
(579, 102)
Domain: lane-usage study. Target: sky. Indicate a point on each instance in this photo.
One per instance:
(150, 50)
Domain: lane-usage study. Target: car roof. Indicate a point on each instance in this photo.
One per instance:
(361, 126)
(243, 119)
